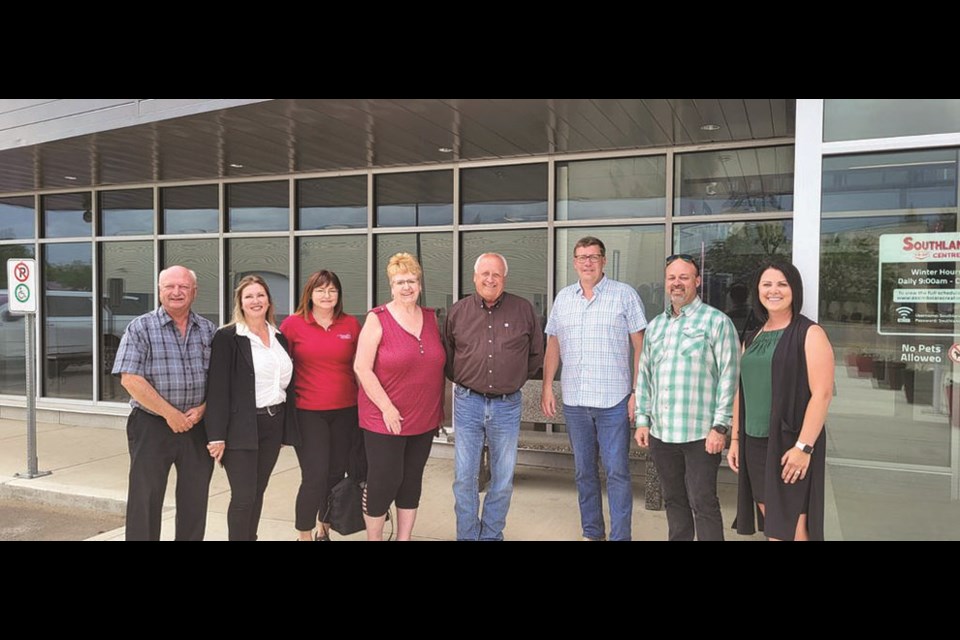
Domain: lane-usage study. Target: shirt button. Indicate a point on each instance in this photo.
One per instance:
(489, 386)
(489, 340)
(490, 356)
(489, 326)
(489, 370)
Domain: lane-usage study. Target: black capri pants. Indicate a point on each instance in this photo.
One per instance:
(326, 439)
(395, 470)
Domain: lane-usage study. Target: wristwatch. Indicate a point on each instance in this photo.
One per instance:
(804, 447)
(721, 429)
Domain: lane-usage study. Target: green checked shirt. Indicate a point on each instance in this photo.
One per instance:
(688, 373)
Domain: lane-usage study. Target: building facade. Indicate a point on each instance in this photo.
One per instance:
(861, 194)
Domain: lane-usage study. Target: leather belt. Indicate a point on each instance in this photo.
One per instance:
(490, 396)
(271, 410)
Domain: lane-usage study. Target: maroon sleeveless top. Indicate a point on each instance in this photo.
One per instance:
(411, 372)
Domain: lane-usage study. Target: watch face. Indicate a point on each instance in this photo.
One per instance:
(721, 430)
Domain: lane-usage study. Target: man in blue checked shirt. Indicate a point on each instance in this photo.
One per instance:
(591, 327)
(162, 362)
(688, 377)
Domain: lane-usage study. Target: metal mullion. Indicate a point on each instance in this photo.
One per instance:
(455, 257)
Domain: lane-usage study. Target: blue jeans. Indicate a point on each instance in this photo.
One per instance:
(498, 421)
(605, 433)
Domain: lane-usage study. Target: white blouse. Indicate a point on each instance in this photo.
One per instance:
(272, 367)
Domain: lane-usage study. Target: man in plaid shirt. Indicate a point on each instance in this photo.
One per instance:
(162, 362)
(688, 377)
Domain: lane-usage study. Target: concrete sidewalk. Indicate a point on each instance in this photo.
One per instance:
(90, 467)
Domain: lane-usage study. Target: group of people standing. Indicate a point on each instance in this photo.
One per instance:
(368, 402)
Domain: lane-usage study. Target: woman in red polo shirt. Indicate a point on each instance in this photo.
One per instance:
(323, 343)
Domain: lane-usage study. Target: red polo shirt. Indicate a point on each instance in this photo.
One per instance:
(323, 361)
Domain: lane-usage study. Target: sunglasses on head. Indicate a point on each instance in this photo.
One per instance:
(686, 257)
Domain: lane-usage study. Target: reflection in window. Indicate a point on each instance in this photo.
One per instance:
(126, 213)
(634, 256)
(190, 209)
(126, 291)
(66, 215)
(516, 193)
(434, 251)
(861, 118)
(267, 258)
(612, 188)
(67, 313)
(344, 255)
(526, 254)
(203, 257)
(890, 181)
(729, 254)
(414, 199)
(734, 181)
(16, 218)
(12, 337)
(258, 206)
(332, 203)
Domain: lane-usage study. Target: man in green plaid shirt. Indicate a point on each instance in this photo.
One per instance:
(688, 377)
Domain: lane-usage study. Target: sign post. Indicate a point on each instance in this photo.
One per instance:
(22, 282)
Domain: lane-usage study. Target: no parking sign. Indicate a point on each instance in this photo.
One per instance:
(22, 284)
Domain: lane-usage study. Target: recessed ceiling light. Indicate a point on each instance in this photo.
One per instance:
(445, 150)
(236, 165)
(709, 127)
(69, 177)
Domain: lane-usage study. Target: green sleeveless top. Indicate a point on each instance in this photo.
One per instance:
(755, 376)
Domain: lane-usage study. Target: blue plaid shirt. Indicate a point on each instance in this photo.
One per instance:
(175, 366)
(594, 337)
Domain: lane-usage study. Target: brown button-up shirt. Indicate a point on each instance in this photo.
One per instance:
(493, 349)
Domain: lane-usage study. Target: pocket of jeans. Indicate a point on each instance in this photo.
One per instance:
(460, 391)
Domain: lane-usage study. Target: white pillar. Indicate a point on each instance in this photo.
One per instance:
(807, 172)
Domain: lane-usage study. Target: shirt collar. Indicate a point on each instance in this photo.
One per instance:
(244, 330)
(688, 308)
(165, 318)
(599, 287)
(311, 320)
(483, 303)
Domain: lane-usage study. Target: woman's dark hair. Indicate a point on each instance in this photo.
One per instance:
(793, 279)
(319, 279)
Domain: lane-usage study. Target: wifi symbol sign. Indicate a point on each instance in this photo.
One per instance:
(903, 312)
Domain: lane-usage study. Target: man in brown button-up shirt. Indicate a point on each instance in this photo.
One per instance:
(494, 344)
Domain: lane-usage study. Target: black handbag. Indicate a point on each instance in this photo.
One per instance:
(345, 508)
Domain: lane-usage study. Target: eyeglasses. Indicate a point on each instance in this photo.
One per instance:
(400, 283)
(326, 293)
(593, 257)
(686, 257)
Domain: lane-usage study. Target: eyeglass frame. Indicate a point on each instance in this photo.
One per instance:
(686, 257)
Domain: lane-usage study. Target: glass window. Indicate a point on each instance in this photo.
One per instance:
(612, 188)
(190, 209)
(66, 215)
(434, 251)
(734, 181)
(861, 119)
(894, 422)
(267, 258)
(516, 193)
(634, 255)
(901, 181)
(126, 291)
(126, 213)
(203, 257)
(344, 255)
(526, 254)
(67, 314)
(332, 203)
(414, 199)
(12, 337)
(729, 254)
(16, 218)
(258, 206)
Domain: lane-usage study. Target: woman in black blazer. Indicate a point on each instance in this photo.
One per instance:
(250, 404)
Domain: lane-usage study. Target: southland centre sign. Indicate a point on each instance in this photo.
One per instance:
(917, 292)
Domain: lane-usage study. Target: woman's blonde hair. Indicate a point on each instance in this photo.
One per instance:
(403, 262)
(245, 282)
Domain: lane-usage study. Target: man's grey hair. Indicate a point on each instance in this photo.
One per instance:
(476, 265)
(193, 274)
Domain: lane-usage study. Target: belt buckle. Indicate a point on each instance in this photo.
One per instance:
(272, 410)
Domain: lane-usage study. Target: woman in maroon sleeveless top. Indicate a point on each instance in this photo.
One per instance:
(399, 365)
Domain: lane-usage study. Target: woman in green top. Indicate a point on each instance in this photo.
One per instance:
(778, 438)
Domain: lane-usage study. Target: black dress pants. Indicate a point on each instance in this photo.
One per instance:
(248, 471)
(154, 447)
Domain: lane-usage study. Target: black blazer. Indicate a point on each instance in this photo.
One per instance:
(231, 413)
